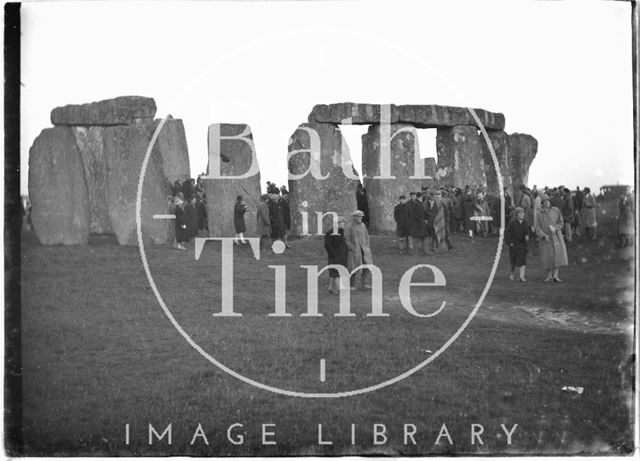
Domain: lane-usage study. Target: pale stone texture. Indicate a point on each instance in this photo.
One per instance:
(383, 193)
(89, 140)
(57, 189)
(500, 142)
(323, 148)
(522, 150)
(117, 111)
(124, 151)
(171, 146)
(418, 115)
(236, 158)
(460, 160)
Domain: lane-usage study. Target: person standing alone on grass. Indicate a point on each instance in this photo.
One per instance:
(239, 209)
(553, 253)
(357, 238)
(516, 236)
(401, 216)
(588, 219)
(337, 253)
(263, 224)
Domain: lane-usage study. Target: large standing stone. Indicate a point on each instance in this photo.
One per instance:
(91, 146)
(57, 190)
(171, 146)
(124, 150)
(418, 115)
(319, 148)
(500, 142)
(460, 156)
(122, 110)
(522, 150)
(233, 145)
(402, 142)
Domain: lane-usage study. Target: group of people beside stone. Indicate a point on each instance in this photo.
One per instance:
(273, 217)
(188, 204)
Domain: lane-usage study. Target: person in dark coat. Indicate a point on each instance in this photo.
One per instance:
(469, 209)
(516, 236)
(192, 218)
(275, 215)
(201, 206)
(188, 190)
(417, 223)
(263, 221)
(182, 235)
(337, 253)
(239, 209)
(401, 216)
(362, 203)
(286, 214)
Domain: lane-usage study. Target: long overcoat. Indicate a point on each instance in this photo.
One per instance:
(337, 251)
(356, 237)
(263, 224)
(239, 209)
(549, 224)
(515, 237)
(417, 223)
(401, 216)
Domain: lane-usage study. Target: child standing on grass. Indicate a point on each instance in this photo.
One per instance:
(516, 236)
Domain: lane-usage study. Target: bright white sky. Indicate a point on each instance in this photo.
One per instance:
(560, 71)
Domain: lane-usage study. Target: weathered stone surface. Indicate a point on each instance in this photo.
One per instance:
(171, 147)
(418, 115)
(383, 193)
(460, 160)
(124, 151)
(57, 190)
(236, 157)
(321, 147)
(500, 142)
(117, 111)
(522, 150)
(91, 146)
(430, 167)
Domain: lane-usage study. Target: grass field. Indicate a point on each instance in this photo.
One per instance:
(99, 353)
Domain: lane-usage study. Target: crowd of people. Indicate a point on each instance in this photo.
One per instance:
(426, 222)
(188, 203)
(427, 219)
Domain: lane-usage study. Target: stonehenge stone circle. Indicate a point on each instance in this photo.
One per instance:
(110, 139)
(331, 181)
(83, 172)
(59, 199)
(232, 153)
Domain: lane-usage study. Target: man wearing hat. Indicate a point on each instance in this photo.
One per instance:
(356, 237)
(417, 222)
(263, 224)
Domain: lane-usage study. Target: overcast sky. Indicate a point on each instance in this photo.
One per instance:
(560, 71)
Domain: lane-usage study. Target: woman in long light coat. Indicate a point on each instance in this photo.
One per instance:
(553, 252)
(588, 218)
(356, 237)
